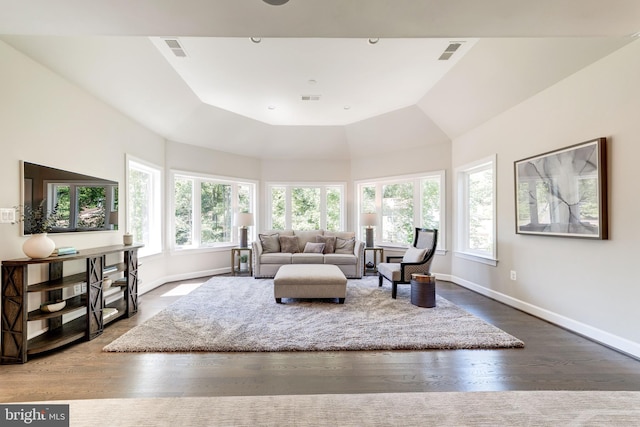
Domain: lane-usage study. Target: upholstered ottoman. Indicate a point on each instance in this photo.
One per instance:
(309, 281)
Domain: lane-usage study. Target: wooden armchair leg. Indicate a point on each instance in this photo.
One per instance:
(394, 290)
(379, 279)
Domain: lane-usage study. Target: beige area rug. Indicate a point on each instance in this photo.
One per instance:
(511, 408)
(240, 314)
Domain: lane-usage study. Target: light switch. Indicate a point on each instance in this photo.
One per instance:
(7, 215)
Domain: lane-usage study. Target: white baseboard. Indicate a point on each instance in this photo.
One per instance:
(603, 337)
(148, 286)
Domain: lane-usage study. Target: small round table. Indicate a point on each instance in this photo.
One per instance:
(423, 290)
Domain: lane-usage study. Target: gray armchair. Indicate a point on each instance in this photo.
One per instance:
(417, 259)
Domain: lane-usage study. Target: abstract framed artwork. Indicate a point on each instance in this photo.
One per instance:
(563, 192)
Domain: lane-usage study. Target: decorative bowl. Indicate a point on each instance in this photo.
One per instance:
(106, 283)
(52, 306)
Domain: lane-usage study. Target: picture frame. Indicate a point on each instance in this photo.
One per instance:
(564, 192)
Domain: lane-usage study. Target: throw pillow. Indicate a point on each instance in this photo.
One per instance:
(313, 248)
(329, 243)
(270, 243)
(414, 254)
(289, 244)
(345, 246)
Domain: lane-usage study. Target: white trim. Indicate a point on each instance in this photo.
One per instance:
(416, 179)
(323, 186)
(158, 199)
(149, 286)
(476, 258)
(603, 337)
(462, 213)
(198, 178)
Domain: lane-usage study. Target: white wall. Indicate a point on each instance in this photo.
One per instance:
(46, 120)
(429, 158)
(588, 286)
(179, 265)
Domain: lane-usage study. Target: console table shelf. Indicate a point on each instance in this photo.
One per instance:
(91, 301)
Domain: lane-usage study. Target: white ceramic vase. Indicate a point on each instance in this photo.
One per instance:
(38, 246)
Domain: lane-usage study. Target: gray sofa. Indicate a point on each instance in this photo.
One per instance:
(275, 248)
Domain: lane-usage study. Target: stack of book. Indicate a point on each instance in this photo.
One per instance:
(108, 313)
(64, 250)
(112, 294)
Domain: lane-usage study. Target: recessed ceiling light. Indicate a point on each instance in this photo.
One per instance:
(373, 40)
(347, 107)
(312, 82)
(275, 2)
(256, 39)
(636, 35)
(271, 107)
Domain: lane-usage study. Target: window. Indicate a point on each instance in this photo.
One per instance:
(83, 206)
(477, 211)
(306, 206)
(144, 205)
(402, 204)
(204, 209)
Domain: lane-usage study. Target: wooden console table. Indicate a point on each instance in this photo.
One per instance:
(15, 291)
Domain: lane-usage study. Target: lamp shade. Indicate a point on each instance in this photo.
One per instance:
(244, 219)
(368, 219)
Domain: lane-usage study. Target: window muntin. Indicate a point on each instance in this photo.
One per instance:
(144, 207)
(401, 204)
(205, 207)
(477, 210)
(397, 213)
(306, 206)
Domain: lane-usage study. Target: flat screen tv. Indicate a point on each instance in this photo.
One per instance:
(81, 202)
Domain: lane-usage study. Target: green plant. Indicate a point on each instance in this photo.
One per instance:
(244, 258)
(38, 220)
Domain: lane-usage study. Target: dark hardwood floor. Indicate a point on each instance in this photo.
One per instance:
(553, 359)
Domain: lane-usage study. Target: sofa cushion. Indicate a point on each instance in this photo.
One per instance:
(341, 234)
(306, 236)
(313, 248)
(340, 259)
(414, 255)
(289, 244)
(302, 258)
(329, 243)
(277, 258)
(345, 246)
(280, 232)
(270, 243)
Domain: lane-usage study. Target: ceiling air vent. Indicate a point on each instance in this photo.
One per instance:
(175, 47)
(310, 97)
(449, 51)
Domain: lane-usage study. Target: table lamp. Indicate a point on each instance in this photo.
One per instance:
(369, 220)
(244, 220)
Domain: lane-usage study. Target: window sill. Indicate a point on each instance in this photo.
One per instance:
(477, 258)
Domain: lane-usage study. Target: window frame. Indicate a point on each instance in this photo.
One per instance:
(461, 248)
(289, 186)
(416, 179)
(199, 178)
(156, 219)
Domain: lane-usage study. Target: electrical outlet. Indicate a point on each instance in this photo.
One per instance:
(513, 275)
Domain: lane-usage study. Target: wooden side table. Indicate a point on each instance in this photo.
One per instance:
(377, 252)
(236, 268)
